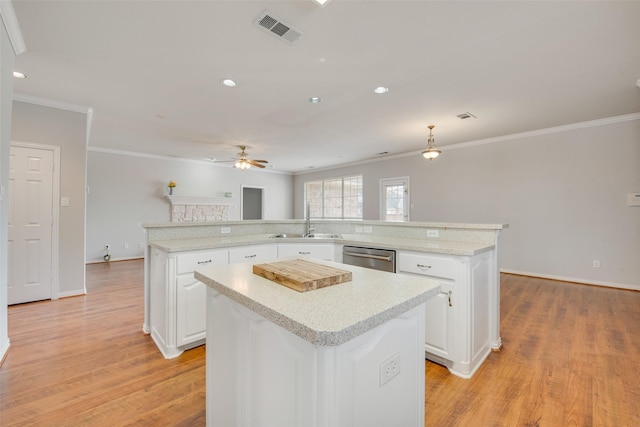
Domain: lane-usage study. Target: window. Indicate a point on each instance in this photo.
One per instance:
(335, 198)
(394, 199)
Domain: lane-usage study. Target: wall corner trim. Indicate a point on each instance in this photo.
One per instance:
(8, 15)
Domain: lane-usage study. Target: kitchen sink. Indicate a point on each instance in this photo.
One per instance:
(323, 236)
(309, 236)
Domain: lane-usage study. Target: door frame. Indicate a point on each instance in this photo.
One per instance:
(55, 211)
(407, 201)
(264, 194)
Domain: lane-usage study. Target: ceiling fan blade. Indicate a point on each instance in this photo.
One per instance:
(261, 161)
(253, 163)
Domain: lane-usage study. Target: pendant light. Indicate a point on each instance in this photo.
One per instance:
(431, 152)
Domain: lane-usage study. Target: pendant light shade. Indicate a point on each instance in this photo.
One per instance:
(431, 152)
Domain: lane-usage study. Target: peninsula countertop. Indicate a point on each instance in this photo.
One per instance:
(328, 316)
(385, 242)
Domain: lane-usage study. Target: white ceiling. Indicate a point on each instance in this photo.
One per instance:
(151, 71)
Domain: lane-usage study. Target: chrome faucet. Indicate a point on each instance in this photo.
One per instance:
(309, 228)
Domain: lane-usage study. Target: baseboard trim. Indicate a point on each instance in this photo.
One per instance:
(5, 351)
(572, 280)
(75, 293)
(100, 261)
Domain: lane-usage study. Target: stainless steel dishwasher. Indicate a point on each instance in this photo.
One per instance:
(377, 259)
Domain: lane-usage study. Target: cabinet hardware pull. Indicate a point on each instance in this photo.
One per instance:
(303, 253)
(450, 305)
(204, 262)
(423, 266)
(250, 256)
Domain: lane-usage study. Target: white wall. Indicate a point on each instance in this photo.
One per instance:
(42, 124)
(127, 190)
(7, 60)
(562, 193)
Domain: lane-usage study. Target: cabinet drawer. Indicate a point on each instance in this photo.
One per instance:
(189, 262)
(426, 265)
(256, 253)
(314, 250)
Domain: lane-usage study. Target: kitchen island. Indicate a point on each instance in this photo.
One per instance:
(462, 323)
(347, 354)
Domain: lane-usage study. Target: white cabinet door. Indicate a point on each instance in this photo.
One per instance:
(256, 253)
(191, 295)
(191, 310)
(438, 325)
(440, 312)
(323, 251)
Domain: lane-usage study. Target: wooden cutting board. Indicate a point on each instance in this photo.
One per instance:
(302, 275)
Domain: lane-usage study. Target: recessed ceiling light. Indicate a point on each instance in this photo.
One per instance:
(381, 89)
(315, 100)
(19, 75)
(229, 82)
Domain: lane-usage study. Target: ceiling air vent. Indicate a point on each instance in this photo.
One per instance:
(466, 116)
(274, 25)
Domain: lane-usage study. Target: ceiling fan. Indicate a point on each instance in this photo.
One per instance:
(243, 161)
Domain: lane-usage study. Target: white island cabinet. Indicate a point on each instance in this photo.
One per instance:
(177, 309)
(463, 258)
(351, 354)
(178, 300)
(458, 319)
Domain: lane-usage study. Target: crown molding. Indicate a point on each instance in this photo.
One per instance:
(10, 21)
(175, 159)
(504, 138)
(45, 102)
(546, 131)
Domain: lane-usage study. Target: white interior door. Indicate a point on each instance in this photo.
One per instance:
(30, 271)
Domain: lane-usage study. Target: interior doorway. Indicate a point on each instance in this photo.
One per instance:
(252, 202)
(33, 222)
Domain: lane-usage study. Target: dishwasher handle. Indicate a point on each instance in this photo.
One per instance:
(383, 258)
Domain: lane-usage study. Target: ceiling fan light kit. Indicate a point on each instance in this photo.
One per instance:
(431, 152)
(243, 161)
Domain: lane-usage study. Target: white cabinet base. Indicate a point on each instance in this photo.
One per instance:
(260, 374)
(458, 321)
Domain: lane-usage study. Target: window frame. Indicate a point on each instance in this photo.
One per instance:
(311, 205)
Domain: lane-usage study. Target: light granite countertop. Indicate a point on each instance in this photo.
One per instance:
(384, 242)
(328, 316)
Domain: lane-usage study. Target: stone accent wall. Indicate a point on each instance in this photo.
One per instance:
(199, 213)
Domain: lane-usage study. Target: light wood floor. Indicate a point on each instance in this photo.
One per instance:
(571, 357)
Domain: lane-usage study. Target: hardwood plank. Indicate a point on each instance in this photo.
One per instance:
(571, 357)
(85, 361)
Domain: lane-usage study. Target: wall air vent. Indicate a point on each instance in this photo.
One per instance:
(274, 25)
